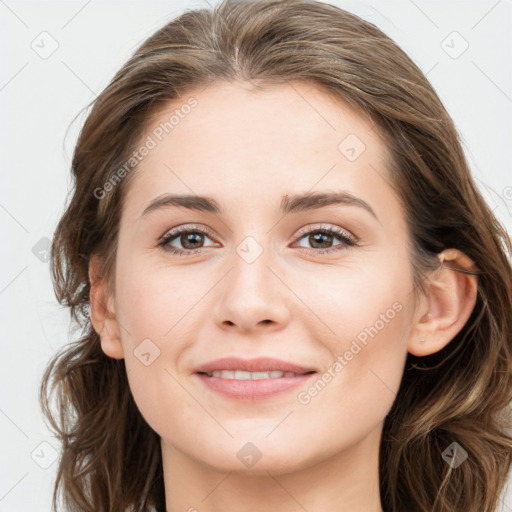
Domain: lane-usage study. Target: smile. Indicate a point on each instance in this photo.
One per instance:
(243, 379)
(244, 375)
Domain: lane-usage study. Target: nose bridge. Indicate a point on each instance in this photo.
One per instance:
(251, 293)
(251, 278)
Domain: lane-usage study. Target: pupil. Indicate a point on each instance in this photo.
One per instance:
(318, 238)
(189, 238)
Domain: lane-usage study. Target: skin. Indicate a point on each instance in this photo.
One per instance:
(246, 149)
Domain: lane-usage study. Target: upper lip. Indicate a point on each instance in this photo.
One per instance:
(260, 364)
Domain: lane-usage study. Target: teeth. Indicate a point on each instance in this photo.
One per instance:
(243, 375)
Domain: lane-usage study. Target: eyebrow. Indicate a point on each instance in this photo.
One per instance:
(289, 203)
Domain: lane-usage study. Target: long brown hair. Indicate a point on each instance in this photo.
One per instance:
(111, 458)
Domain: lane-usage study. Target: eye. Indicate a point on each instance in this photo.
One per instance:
(321, 239)
(190, 238)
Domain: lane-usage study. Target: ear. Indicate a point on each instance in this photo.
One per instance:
(446, 306)
(102, 309)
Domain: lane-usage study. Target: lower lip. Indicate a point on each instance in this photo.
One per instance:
(258, 389)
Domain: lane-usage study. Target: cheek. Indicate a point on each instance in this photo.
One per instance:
(364, 302)
(368, 311)
(154, 301)
(155, 311)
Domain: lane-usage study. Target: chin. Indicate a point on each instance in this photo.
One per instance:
(260, 457)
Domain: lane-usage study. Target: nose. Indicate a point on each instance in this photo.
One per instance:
(252, 296)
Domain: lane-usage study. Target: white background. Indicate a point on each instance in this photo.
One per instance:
(39, 97)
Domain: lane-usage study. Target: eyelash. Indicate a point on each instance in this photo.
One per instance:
(346, 238)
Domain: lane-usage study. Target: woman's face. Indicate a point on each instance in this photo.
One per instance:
(256, 277)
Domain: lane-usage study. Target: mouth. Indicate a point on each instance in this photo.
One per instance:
(243, 375)
(252, 379)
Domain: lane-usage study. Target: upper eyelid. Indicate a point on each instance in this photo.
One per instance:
(323, 226)
(187, 227)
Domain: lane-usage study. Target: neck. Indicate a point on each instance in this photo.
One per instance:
(347, 481)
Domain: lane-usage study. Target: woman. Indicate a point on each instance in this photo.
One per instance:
(298, 298)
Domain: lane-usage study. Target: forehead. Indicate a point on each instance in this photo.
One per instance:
(230, 139)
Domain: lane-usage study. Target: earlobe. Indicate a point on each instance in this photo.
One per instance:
(447, 305)
(102, 312)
